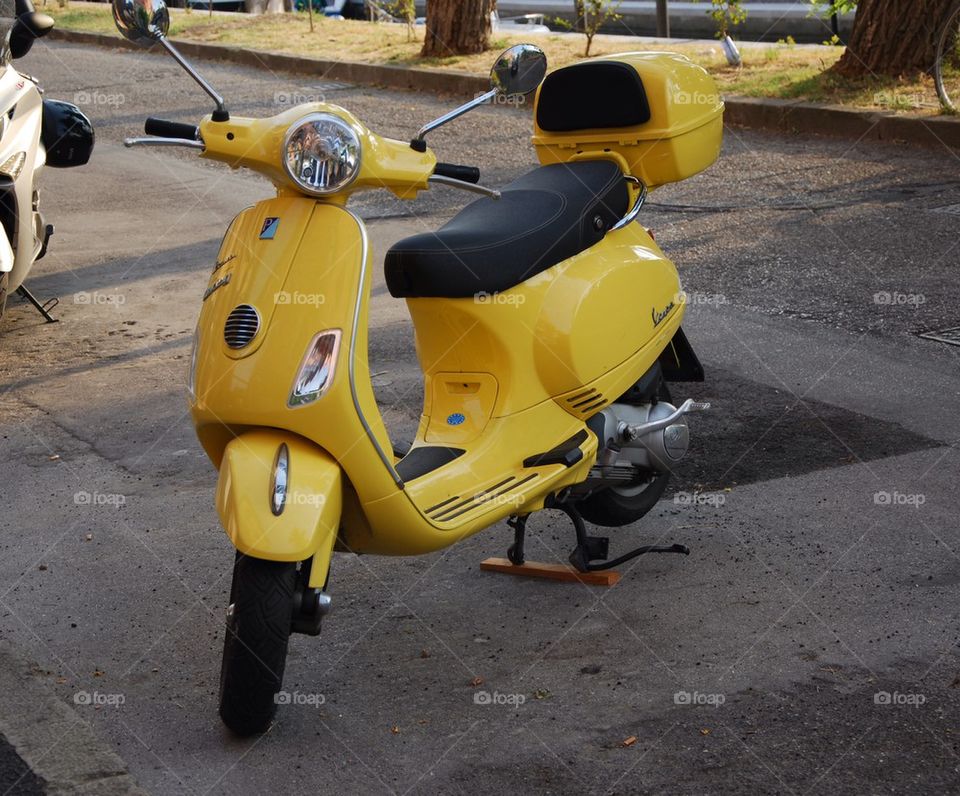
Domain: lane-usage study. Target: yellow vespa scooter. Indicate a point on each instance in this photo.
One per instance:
(547, 325)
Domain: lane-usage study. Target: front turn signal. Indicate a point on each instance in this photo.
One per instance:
(317, 369)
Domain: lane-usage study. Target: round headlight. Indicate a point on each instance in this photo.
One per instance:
(321, 153)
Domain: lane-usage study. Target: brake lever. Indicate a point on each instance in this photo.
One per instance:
(463, 186)
(157, 141)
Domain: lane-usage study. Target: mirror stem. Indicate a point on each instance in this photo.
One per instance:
(449, 117)
(220, 114)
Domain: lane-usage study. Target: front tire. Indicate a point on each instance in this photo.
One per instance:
(255, 645)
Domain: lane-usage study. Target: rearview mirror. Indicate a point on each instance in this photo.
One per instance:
(27, 28)
(141, 21)
(147, 22)
(519, 70)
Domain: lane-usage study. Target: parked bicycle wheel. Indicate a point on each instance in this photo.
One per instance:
(947, 69)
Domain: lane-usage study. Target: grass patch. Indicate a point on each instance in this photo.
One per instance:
(782, 70)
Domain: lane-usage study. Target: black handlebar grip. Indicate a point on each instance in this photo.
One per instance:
(166, 129)
(463, 173)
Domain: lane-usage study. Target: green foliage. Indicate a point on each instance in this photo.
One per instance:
(406, 12)
(726, 14)
(829, 7)
(596, 13)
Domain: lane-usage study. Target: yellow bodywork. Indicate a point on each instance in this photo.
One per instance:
(256, 144)
(507, 377)
(310, 519)
(682, 137)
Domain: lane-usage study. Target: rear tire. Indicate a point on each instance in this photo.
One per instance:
(947, 65)
(255, 645)
(614, 507)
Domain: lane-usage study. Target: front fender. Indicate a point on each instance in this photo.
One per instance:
(307, 526)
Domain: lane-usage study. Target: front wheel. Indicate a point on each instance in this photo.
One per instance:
(255, 646)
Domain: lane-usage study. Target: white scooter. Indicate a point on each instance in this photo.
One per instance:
(33, 132)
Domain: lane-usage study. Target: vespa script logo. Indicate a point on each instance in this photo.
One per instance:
(659, 316)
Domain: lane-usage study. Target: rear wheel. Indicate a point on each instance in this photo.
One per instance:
(947, 68)
(615, 506)
(255, 646)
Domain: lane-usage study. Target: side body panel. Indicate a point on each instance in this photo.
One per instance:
(498, 373)
(565, 330)
(309, 277)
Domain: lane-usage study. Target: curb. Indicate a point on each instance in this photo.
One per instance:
(52, 739)
(439, 81)
(792, 116)
(781, 116)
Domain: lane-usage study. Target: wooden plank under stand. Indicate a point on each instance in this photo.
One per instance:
(561, 572)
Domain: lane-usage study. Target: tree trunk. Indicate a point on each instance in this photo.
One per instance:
(579, 16)
(893, 37)
(457, 27)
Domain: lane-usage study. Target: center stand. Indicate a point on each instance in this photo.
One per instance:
(588, 560)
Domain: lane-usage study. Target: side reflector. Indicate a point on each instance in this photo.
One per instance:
(281, 477)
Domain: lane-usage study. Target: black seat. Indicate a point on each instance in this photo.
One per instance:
(544, 217)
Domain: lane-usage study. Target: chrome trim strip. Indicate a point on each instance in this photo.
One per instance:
(352, 350)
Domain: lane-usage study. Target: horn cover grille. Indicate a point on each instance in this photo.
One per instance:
(242, 326)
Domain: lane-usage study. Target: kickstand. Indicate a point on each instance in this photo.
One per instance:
(593, 548)
(43, 309)
(515, 552)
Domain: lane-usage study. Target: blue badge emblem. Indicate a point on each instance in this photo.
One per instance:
(456, 419)
(269, 229)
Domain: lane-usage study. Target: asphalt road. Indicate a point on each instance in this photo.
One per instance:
(808, 644)
(15, 775)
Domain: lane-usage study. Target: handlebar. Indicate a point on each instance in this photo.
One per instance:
(463, 173)
(165, 129)
(161, 132)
